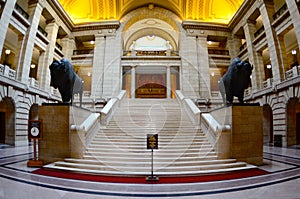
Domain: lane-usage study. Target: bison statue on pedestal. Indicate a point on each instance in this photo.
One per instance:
(66, 80)
(235, 81)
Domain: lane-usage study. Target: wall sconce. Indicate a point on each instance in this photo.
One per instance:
(32, 66)
(7, 51)
(209, 42)
(269, 66)
(92, 42)
(294, 52)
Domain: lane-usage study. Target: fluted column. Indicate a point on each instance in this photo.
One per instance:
(282, 47)
(52, 30)
(34, 11)
(295, 16)
(234, 44)
(169, 82)
(68, 46)
(203, 67)
(132, 87)
(5, 19)
(98, 66)
(258, 68)
(267, 10)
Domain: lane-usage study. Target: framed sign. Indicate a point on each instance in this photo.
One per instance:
(35, 129)
(152, 141)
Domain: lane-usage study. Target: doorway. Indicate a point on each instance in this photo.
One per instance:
(298, 128)
(151, 86)
(2, 127)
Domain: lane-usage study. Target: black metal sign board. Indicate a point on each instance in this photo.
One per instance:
(152, 141)
(35, 129)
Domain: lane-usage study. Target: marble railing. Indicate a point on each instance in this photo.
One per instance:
(33, 82)
(295, 71)
(7, 71)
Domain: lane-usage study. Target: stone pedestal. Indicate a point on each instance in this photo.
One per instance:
(55, 143)
(244, 141)
(59, 141)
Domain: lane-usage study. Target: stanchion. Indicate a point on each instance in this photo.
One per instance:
(152, 143)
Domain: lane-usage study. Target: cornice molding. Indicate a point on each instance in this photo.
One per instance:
(204, 26)
(97, 26)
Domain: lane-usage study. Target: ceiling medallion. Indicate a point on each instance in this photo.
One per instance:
(151, 22)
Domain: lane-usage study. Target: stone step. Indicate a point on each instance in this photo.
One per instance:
(144, 144)
(145, 162)
(143, 153)
(143, 168)
(159, 173)
(120, 147)
(147, 157)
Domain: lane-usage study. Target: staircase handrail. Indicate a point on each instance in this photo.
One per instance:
(87, 124)
(82, 134)
(109, 109)
(192, 110)
(212, 128)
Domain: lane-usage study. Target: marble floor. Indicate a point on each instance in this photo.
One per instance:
(283, 182)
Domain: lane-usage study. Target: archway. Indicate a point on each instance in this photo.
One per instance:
(293, 121)
(7, 121)
(267, 124)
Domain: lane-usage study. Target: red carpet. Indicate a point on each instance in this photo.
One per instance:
(142, 179)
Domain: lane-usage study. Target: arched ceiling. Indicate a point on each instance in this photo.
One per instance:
(215, 11)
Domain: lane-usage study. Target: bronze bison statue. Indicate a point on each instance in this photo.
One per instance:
(235, 81)
(66, 80)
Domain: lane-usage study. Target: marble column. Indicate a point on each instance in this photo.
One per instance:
(234, 44)
(267, 10)
(132, 87)
(295, 16)
(19, 49)
(4, 20)
(258, 68)
(34, 11)
(203, 67)
(68, 46)
(280, 40)
(98, 66)
(169, 89)
(52, 30)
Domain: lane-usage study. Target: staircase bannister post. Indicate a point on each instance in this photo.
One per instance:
(82, 134)
(218, 135)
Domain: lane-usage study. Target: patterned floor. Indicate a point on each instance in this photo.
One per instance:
(17, 181)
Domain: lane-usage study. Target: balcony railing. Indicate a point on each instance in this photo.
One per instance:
(42, 31)
(150, 53)
(54, 91)
(280, 12)
(242, 47)
(83, 52)
(21, 11)
(33, 82)
(268, 83)
(218, 52)
(248, 92)
(7, 71)
(259, 31)
(58, 46)
(295, 71)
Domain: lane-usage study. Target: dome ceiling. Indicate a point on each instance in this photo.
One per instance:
(216, 11)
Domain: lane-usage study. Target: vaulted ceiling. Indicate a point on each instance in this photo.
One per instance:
(217, 11)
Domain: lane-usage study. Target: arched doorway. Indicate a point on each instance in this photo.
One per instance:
(267, 124)
(7, 121)
(293, 121)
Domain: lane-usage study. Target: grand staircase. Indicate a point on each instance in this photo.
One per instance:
(120, 148)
